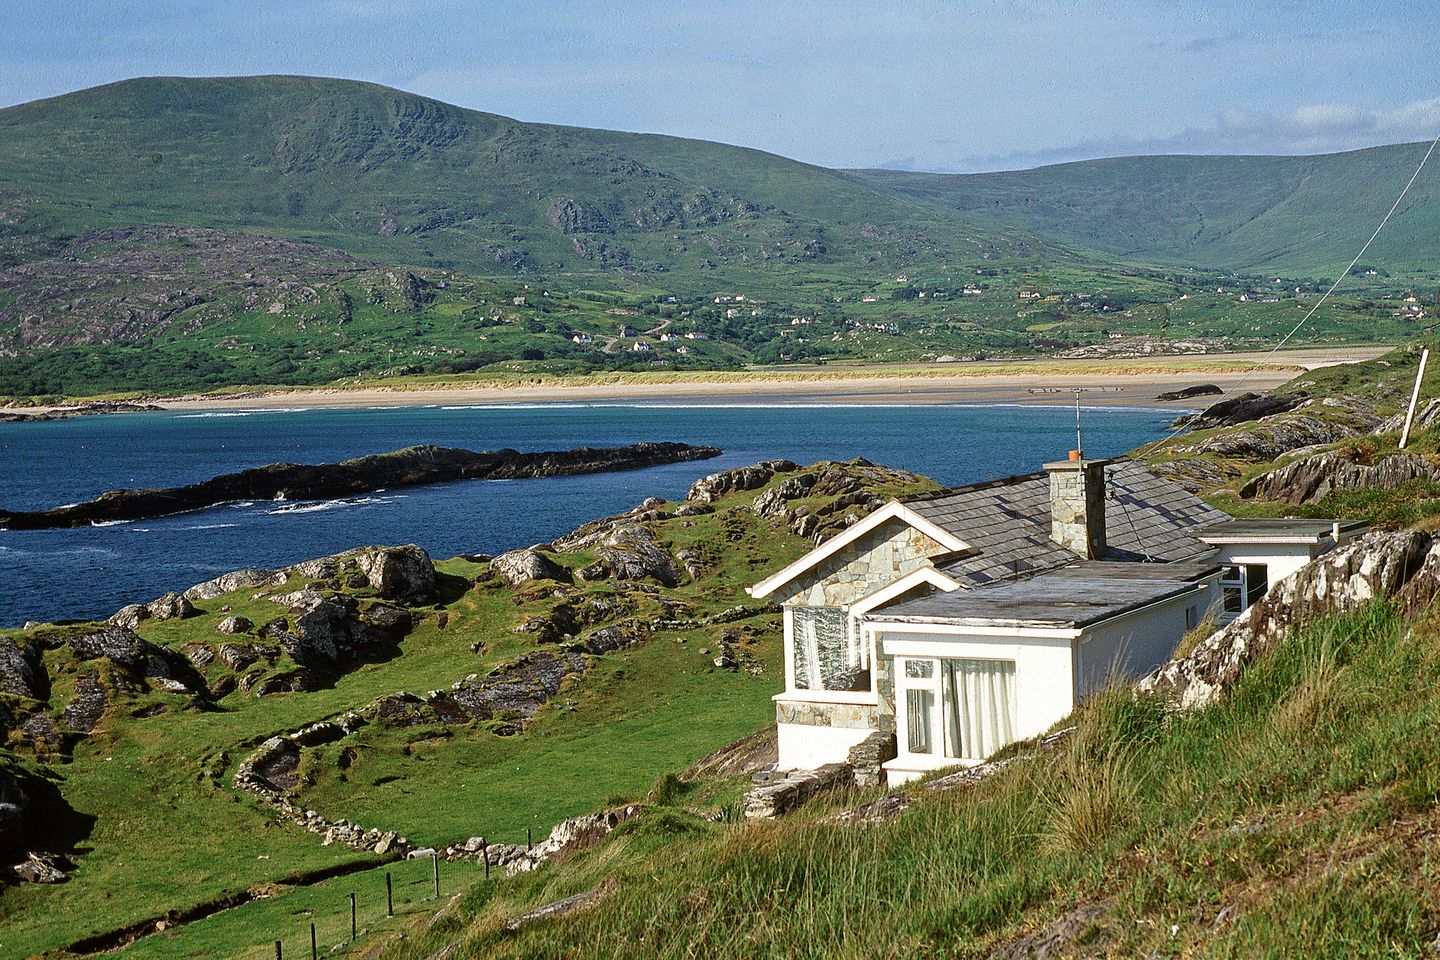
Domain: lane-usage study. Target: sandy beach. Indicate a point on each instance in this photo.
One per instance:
(1101, 382)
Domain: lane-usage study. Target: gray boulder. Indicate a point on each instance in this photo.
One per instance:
(772, 503)
(237, 656)
(399, 573)
(140, 659)
(522, 566)
(235, 580)
(38, 869)
(234, 625)
(21, 672)
(717, 485)
(1309, 480)
(130, 616)
(631, 552)
(171, 606)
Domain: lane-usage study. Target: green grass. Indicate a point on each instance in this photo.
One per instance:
(155, 824)
(1301, 807)
(635, 716)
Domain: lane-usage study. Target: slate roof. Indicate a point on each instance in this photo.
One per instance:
(1276, 530)
(1007, 522)
(1073, 596)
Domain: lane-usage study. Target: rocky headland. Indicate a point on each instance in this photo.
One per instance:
(411, 466)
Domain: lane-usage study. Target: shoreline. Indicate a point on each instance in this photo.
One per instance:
(1108, 383)
(1133, 383)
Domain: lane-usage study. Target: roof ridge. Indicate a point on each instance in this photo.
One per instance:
(970, 487)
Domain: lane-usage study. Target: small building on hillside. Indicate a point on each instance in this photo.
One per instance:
(641, 346)
(957, 622)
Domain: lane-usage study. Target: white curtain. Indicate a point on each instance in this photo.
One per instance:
(918, 704)
(979, 700)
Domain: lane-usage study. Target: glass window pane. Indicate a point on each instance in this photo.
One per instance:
(920, 669)
(1233, 600)
(979, 706)
(825, 657)
(918, 704)
(1256, 582)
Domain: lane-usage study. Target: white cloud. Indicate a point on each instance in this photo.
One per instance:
(1312, 128)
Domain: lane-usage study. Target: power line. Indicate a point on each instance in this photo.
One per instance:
(1306, 319)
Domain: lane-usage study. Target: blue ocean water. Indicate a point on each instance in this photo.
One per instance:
(90, 572)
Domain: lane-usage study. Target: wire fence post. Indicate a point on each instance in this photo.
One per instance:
(529, 840)
(389, 896)
(485, 857)
(435, 862)
(353, 934)
(277, 950)
(314, 944)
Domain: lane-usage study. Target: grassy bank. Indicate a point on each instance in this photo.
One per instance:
(1297, 817)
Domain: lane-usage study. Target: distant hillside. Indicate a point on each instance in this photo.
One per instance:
(404, 178)
(1303, 215)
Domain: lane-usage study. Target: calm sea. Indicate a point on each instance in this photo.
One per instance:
(90, 572)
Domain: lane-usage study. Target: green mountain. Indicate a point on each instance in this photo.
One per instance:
(1307, 216)
(404, 178)
(168, 234)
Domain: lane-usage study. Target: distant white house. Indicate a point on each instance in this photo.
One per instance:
(682, 350)
(667, 337)
(583, 339)
(954, 623)
(692, 335)
(641, 346)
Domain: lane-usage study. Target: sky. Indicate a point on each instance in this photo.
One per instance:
(968, 85)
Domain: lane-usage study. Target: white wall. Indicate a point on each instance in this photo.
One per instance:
(1280, 559)
(804, 747)
(1043, 683)
(1139, 642)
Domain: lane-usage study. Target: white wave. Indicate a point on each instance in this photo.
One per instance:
(212, 526)
(109, 523)
(241, 412)
(317, 506)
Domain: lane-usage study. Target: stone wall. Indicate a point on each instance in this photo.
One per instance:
(846, 716)
(885, 688)
(859, 569)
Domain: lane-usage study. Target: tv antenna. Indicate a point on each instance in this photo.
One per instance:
(1078, 445)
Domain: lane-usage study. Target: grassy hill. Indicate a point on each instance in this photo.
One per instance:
(403, 178)
(1306, 216)
(167, 235)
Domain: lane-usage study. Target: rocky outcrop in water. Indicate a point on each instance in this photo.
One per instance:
(409, 467)
(1310, 480)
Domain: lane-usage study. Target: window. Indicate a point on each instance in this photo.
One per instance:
(1232, 583)
(1256, 582)
(976, 701)
(1243, 585)
(826, 654)
(979, 697)
(919, 705)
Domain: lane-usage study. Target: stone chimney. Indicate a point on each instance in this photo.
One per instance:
(1077, 504)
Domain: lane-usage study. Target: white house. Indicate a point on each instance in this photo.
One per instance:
(960, 621)
(641, 346)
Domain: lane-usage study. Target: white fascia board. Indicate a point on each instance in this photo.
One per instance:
(986, 629)
(894, 510)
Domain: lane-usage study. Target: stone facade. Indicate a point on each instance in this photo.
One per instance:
(845, 716)
(888, 553)
(885, 688)
(1077, 506)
